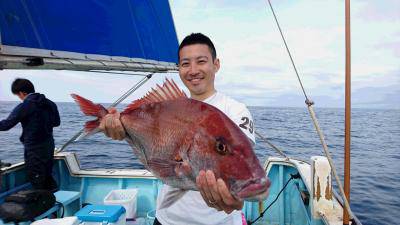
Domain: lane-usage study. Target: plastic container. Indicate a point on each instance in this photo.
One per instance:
(150, 217)
(64, 221)
(125, 197)
(102, 215)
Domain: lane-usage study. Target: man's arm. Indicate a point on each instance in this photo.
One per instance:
(12, 120)
(56, 114)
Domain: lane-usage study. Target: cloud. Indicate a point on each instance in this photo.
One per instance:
(255, 67)
(377, 97)
(393, 46)
(98, 87)
(372, 11)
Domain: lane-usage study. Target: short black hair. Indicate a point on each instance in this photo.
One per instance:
(22, 85)
(198, 38)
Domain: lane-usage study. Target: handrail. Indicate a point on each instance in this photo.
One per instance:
(119, 100)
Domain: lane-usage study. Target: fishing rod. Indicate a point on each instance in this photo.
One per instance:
(119, 100)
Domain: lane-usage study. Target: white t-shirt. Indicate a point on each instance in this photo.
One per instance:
(191, 209)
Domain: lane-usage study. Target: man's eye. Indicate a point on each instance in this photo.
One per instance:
(201, 62)
(184, 64)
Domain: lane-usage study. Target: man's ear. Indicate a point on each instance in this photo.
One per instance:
(216, 65)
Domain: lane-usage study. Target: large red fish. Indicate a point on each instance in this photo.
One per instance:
(175, 137)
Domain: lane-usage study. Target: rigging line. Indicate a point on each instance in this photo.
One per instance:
(288, 51)
(119, 100)
(271, 145)
(329, 157)
(276, 198)
(316, 125)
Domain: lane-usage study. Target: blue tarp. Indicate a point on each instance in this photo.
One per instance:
(127, 28)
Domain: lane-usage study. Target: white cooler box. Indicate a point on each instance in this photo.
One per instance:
(63, 221)
(102, 215)
(125, 197)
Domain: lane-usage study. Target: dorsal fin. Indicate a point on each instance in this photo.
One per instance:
(169, 91)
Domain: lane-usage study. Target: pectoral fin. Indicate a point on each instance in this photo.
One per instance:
(162, 167)
(167, 168)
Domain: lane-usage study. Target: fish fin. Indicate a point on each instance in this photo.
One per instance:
(169, 91)
(165, 168)
(171, 197)
(90, 109)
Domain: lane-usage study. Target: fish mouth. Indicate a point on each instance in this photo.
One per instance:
(255, 190)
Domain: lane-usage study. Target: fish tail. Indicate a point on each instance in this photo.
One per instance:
(90, 109)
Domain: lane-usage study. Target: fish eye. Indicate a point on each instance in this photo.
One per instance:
(220, 146)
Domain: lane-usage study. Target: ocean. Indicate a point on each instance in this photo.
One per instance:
(375, 155)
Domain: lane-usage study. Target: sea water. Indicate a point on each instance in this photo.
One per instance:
(375, 152)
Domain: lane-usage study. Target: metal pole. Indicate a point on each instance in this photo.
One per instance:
(119, 100)
(347, 127)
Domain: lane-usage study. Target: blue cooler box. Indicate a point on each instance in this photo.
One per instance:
(102, 214)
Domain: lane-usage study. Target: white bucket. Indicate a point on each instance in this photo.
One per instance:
(125, 197)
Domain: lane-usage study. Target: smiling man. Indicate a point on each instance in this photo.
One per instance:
(213, 203)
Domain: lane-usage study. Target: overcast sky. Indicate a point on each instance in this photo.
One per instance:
(255, 67)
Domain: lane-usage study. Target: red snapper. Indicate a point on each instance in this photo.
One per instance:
(175, 137)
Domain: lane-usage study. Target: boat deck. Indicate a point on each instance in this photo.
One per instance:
(293, 206)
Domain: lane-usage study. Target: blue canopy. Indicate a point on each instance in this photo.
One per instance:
(117, 28)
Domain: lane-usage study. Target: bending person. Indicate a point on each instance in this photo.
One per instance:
(37, 115)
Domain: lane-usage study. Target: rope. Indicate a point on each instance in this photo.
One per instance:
(119, 100)
(271, 145)
(309, 104)
(328, 156)
(295, 176)
(287, 49)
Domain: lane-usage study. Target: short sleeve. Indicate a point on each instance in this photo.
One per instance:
(242, 117)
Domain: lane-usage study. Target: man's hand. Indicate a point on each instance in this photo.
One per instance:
(112, 126)
(216, 194)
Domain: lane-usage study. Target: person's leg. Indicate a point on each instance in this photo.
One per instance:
(39, 164)
(35, 169)
(50, 183)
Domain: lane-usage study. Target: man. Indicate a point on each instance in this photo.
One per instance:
(214, 204)
(37, 115)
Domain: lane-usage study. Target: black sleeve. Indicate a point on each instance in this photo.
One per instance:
(13, 119)
(56, 116)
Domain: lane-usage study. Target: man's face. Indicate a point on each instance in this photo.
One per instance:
(197, 70)
(21, 95)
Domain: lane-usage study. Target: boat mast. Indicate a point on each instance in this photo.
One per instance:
(347, 125)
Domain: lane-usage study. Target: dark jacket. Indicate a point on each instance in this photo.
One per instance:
(38, 115)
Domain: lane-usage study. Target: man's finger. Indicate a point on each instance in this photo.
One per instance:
(203, 187)
(227, 197)
(213, 188)
(107, 126)
(120, 130)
